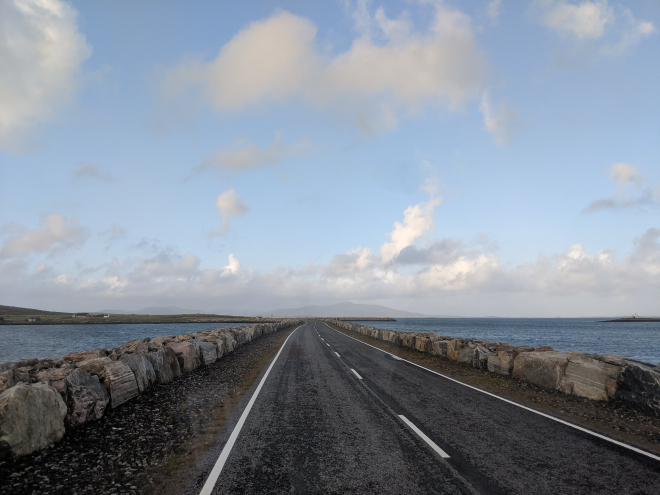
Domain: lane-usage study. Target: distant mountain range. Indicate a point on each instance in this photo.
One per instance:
(346, 309)
(154, 310)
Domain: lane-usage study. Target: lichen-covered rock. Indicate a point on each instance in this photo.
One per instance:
(31, 418)
(454, 348)
(589, 377)
(86, 397)
(7, 380)
(186, 355)
(174, 362)
(56, 378)
(75, 357)
(466, 354)
(145, 376)
(22, 374)
(95, 366)
(207, 352)
(545, 369)
(119, 381)
(161, 365)
(639, 385)
(480, 357)
(439, 348)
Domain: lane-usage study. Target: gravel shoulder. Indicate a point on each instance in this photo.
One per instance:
(615, 420)
(146, 445)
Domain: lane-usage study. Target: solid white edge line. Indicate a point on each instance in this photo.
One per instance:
(224, 455)
(337, 354)
(433, 445)
(356, 374)
(592, 433)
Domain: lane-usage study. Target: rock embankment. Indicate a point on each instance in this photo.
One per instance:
(593, 376)
(40, 399)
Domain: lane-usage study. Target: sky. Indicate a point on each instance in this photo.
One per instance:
(443, 157)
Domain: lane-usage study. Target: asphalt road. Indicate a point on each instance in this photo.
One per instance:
(335, 415)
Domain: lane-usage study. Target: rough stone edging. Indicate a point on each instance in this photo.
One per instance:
(604, 377)
(40, 399)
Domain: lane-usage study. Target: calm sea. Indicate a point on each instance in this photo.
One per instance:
(640, 341)
(42, 341)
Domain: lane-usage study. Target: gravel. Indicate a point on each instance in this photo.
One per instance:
(138, 446)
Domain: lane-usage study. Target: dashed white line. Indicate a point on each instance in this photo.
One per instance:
(356, 374)
(220, 463)
(421, 434)
(337, 354)
(576, 427)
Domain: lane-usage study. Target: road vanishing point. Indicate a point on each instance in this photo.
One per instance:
(331, 414)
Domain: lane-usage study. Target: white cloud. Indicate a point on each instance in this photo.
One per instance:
(417, 221)
(57, 235)
(612, 32)
(444, 273)
(493, 11)
(230, 204)
(92, 172)
(627, 179)
(501, 122)
(41, 53)
(397, 69)
(249, 155)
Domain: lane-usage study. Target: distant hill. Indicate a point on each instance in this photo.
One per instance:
(155, 310)
(15, 310)
(346, 309)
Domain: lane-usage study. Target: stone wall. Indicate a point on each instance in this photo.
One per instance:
(40, 399)
(594, 376)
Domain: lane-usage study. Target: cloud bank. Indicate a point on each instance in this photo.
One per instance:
(412, 265)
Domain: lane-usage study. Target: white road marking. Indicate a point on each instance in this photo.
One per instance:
(433, 445)
(328, 345)
(337, 354)
(356, 373)
(220, 463)
(579, 428)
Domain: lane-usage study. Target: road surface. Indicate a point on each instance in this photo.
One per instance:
(334, 415)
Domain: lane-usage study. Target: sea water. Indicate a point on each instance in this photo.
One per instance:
(42, 341)
(639, 341)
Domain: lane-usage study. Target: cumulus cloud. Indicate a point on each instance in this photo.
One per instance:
(612, 31)
(389, 68)
(629, 191)
(249, 155)
(578, 280)
(501, 121)
(57, 234)
(90, 171)
(41, 54)
(417, 221)
(230, 204)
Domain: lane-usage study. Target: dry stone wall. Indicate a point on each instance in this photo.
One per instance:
(593, 376)
(40, 399)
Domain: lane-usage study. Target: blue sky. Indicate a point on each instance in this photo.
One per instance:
(470, 158)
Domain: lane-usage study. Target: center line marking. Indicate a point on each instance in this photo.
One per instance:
(432, 444)
(220, 463)
(356, 374)
(337, 354)
(552, 418)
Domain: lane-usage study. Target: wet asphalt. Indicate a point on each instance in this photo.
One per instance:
(317, 426)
